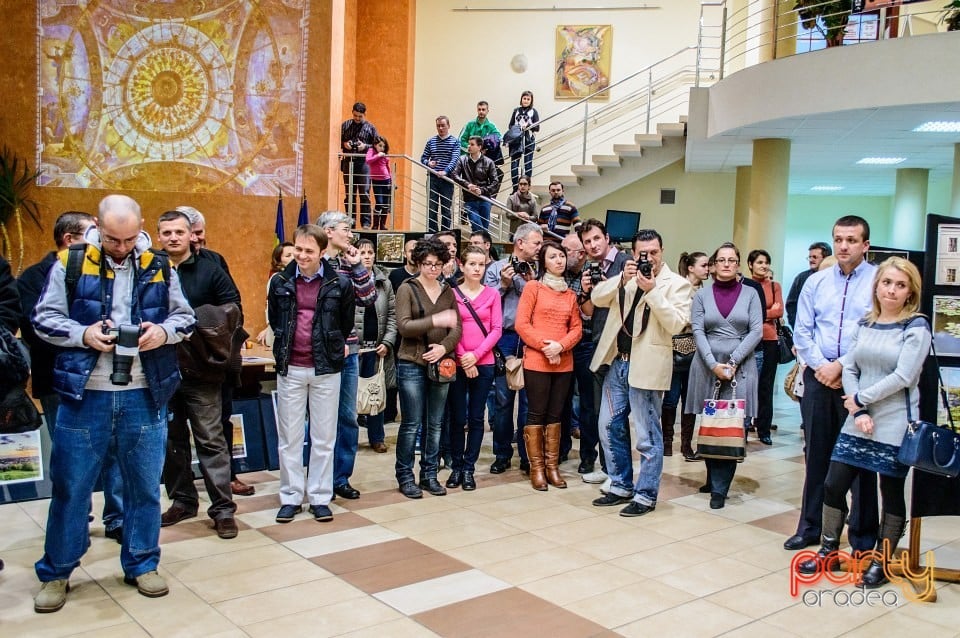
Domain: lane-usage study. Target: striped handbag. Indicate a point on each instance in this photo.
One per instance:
(721, 434)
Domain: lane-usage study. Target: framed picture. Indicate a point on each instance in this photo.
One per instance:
(21, 458)
(951, 383)
(948, 255)
(946, 325)
(877, 257)
(390, 248)
(239, 450)
(583, 61)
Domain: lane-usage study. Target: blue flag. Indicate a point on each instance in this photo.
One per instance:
(279, 236)
(304, 217)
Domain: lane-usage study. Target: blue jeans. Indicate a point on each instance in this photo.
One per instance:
(440, 200)
(131, 426)
(504, 435)
(467, 401)
(645, 406)
(348, 432)
(421, 405)
(110, 480)
(478, 212)
(383, 198)
(526, 155)
(368, 367)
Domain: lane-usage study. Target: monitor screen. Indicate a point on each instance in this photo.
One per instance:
(622, 225)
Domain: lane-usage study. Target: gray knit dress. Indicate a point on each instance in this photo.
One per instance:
(881, 367)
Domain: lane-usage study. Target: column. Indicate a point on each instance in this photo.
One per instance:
(769, 183)
(907, 221)
(955, 194)
(741, 206)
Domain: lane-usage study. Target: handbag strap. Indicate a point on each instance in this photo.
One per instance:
(940, 386)
(719, 384)
(423, 313)
(473, 312)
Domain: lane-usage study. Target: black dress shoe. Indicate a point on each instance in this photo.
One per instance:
(346, 491)
(455, 479)
(469, 484)
(717, 501)
(432, 485)
(636, 509)
(500, 466)
(704, 489)
(766, 440)
(525, 467)
(609, 499)
(798, 542)
(410, 490)
(584, 467)
(116, 534)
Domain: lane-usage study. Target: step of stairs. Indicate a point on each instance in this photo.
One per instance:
(672, 129)
(585, 170)
(607, 161)
(628, 150)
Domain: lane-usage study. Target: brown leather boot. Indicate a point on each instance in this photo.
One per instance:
(687, 423)
(552, 455)
(533, 438)
(668, 417)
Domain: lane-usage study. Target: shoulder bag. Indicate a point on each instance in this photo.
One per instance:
(499, 361)
(444, 370)
(684, 349)
(721, 434)
(372, 392)
(785, 342)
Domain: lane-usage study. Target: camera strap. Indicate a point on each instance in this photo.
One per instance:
(625, 318)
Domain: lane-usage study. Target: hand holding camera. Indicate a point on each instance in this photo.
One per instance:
(521, 268)
(644, 273)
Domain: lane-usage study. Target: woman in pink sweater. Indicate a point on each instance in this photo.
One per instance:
(475, 370)
(381, 180)
(548, 322)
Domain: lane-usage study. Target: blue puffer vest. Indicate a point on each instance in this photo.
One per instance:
(74, 365)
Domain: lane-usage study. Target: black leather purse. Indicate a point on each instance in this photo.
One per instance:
(785, 343)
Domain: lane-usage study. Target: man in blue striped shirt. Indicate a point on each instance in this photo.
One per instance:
(440, 154)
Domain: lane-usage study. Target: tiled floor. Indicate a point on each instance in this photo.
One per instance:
(501, 561)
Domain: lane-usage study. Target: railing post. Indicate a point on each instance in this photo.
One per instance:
(649, 96)
(776, 26)
(586, 117)
(723, 42)
(696, 80)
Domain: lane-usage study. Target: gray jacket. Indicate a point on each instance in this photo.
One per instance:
(386, 320)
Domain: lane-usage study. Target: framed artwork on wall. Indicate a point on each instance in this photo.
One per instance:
(583, 54)
(948, 255)
(946, 325)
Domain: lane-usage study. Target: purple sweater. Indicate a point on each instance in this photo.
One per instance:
(725, 293)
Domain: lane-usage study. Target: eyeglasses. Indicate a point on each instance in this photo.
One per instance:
(432, 265)
(724, 261)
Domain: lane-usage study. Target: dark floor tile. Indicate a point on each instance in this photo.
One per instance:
(784, 523)
(305, 526)
(379, 555)
(404, 572)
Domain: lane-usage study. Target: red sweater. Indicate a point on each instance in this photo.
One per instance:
(544, 313)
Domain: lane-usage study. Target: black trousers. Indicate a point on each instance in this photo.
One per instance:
(841, 476)
(765, 383)
(823, 417)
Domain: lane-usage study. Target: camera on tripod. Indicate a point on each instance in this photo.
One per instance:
(127, 346)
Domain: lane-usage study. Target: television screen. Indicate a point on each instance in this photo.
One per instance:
(622, 225)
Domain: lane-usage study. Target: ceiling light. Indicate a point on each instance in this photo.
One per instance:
(942, 126)
(827, 189)
(882, 161)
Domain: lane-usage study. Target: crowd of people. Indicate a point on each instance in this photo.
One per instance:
(143, 343)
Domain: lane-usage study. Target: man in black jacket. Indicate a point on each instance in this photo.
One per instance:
(198, 398)
(311, 309)
(478, 176)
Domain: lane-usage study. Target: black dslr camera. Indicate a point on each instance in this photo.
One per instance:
(127, 340)
(595, 271)
(355, 145)
(520, 267)
(645, 266)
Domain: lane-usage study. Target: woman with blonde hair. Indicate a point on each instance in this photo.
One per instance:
(881, 371)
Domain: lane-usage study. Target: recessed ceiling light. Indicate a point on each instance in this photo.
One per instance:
(938, 127)
(828, 189)
(882, 161)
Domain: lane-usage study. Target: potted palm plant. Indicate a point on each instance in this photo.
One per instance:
(16, 180)
(829, 18)
(951, 15)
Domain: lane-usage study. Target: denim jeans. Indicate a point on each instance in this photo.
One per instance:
(478, 212)
(348, 432)
(383, 198)
(368, 367)
(110, 480)
(439, 204)
(129, 424)
(526, 155)
(421, 404)
(468, 399)
(300, 392)
(504, 434)
(645, 406)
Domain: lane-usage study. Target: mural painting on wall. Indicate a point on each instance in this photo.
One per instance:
(172, 96)
(583, 61)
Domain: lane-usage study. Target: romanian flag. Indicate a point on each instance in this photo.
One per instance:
(278, 233)
(304, 217)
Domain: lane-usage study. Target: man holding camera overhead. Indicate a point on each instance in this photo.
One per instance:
(648, 303)
(118, 325)
(509, 275)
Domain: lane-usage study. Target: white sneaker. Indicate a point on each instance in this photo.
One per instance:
(605, 488)
(598, 476)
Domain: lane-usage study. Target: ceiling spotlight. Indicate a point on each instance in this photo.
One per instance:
(827, 189)
(938, 127)
(882, 161)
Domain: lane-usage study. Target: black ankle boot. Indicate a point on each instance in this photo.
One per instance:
(891, 529)
(875, 576)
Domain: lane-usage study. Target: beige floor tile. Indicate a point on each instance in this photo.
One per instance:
(518, 504)
(334, 619)
(550, 517)
(279, 604)
(757, 598)
(425, 523)
(770, 555)
(489, 494)
(582, 583)
(696, 619)
(408, 508)
(706, 578)
(80, 615)
(759, 629)
(827, 619)
(584, 531)
(201, 547)
(665, 559)
(400, 628)
(124, 630)
(340, 541)
(614, 546)
(500, 549)
(464, 535)
(737, 538)
(625, 605)
(686, 525)
(257, 580)
(221, 565)
(895, 624)
(539, 565)
(944, 612)
(437, 592)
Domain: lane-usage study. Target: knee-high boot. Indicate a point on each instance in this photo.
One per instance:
(891, 529)
(533, 439)
(832, 525)
(668, 417)
(552, 455)
(687, 424)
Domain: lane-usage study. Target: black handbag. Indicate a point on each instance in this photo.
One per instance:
(785, 343)
(499, 361)
(18, 414)
(930, 447)
(684, 349)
